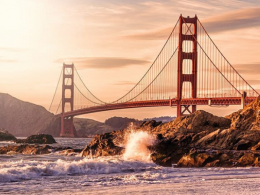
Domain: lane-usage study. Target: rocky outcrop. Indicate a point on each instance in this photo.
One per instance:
(113, 143)
(194, 123)
(26, 149)
(38, 139)
(219, 158)
(104, 145)
(36, 149)
(6, 136)
(198, 140)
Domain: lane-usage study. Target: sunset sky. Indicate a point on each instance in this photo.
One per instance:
(112, 43)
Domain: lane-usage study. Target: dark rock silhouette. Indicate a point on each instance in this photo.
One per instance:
(38, 139)
(6, 136)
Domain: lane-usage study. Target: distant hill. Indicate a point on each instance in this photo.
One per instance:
(88, 127)
(118, 123)
(23, 119)
(164, 119)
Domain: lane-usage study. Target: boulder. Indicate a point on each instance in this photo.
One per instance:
(197, 122)
(195, 159)
(25, 149)
(102, 145)
(6, 136)
(167, 152)
(256, 147)
(70, 152)
(38, 139)
(245, 119)
(248, 159)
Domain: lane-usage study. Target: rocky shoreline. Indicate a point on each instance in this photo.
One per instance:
(198, 140)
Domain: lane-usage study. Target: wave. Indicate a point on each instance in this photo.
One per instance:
(137, 146)
(25, 170)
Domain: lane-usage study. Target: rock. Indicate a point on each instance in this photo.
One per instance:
(219, 158)
(256, 147)
(242, 145)
(150, 124)
(102, 145)
(25, 149)
(38, 139)
(214, 163)
(198, 140)
(6, 136)
(194, 159)
(70, 152)
(245, 119)
(167, 152)
(248, 159)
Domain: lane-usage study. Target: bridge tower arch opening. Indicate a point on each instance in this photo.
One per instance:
(67, 127)
(187, 51)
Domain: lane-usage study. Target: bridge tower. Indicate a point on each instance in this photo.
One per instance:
(191, 36)
(67, 127)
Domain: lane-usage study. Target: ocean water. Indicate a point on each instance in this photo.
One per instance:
(131, 173)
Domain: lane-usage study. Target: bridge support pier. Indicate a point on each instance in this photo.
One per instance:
(187, 34)
(67, 127)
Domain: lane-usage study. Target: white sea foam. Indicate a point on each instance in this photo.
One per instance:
(136, 146)
(24, 170)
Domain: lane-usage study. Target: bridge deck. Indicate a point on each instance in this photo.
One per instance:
(157, 103)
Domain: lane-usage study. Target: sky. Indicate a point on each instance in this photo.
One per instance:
(112, 43)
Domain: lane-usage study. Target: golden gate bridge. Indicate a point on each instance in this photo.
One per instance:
(189, 70)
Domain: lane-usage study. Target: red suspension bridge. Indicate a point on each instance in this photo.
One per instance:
(189, 70)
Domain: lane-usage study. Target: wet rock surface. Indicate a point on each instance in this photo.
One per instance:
(198, 140)
(26, 149)
(38, 139)
(104, 145)
(37, 149)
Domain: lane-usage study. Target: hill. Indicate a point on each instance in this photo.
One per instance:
(163, 119)
(88, 127)
(23, 119)
(119, 123)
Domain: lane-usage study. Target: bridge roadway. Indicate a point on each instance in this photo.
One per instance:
(156, 103)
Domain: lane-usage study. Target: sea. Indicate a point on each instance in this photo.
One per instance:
(131, 173)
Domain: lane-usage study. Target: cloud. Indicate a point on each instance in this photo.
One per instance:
(250, 72)
(252, 69)
(125, 83)
(154, 35)
(233, 20)
(102, 62)
(239, 19)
